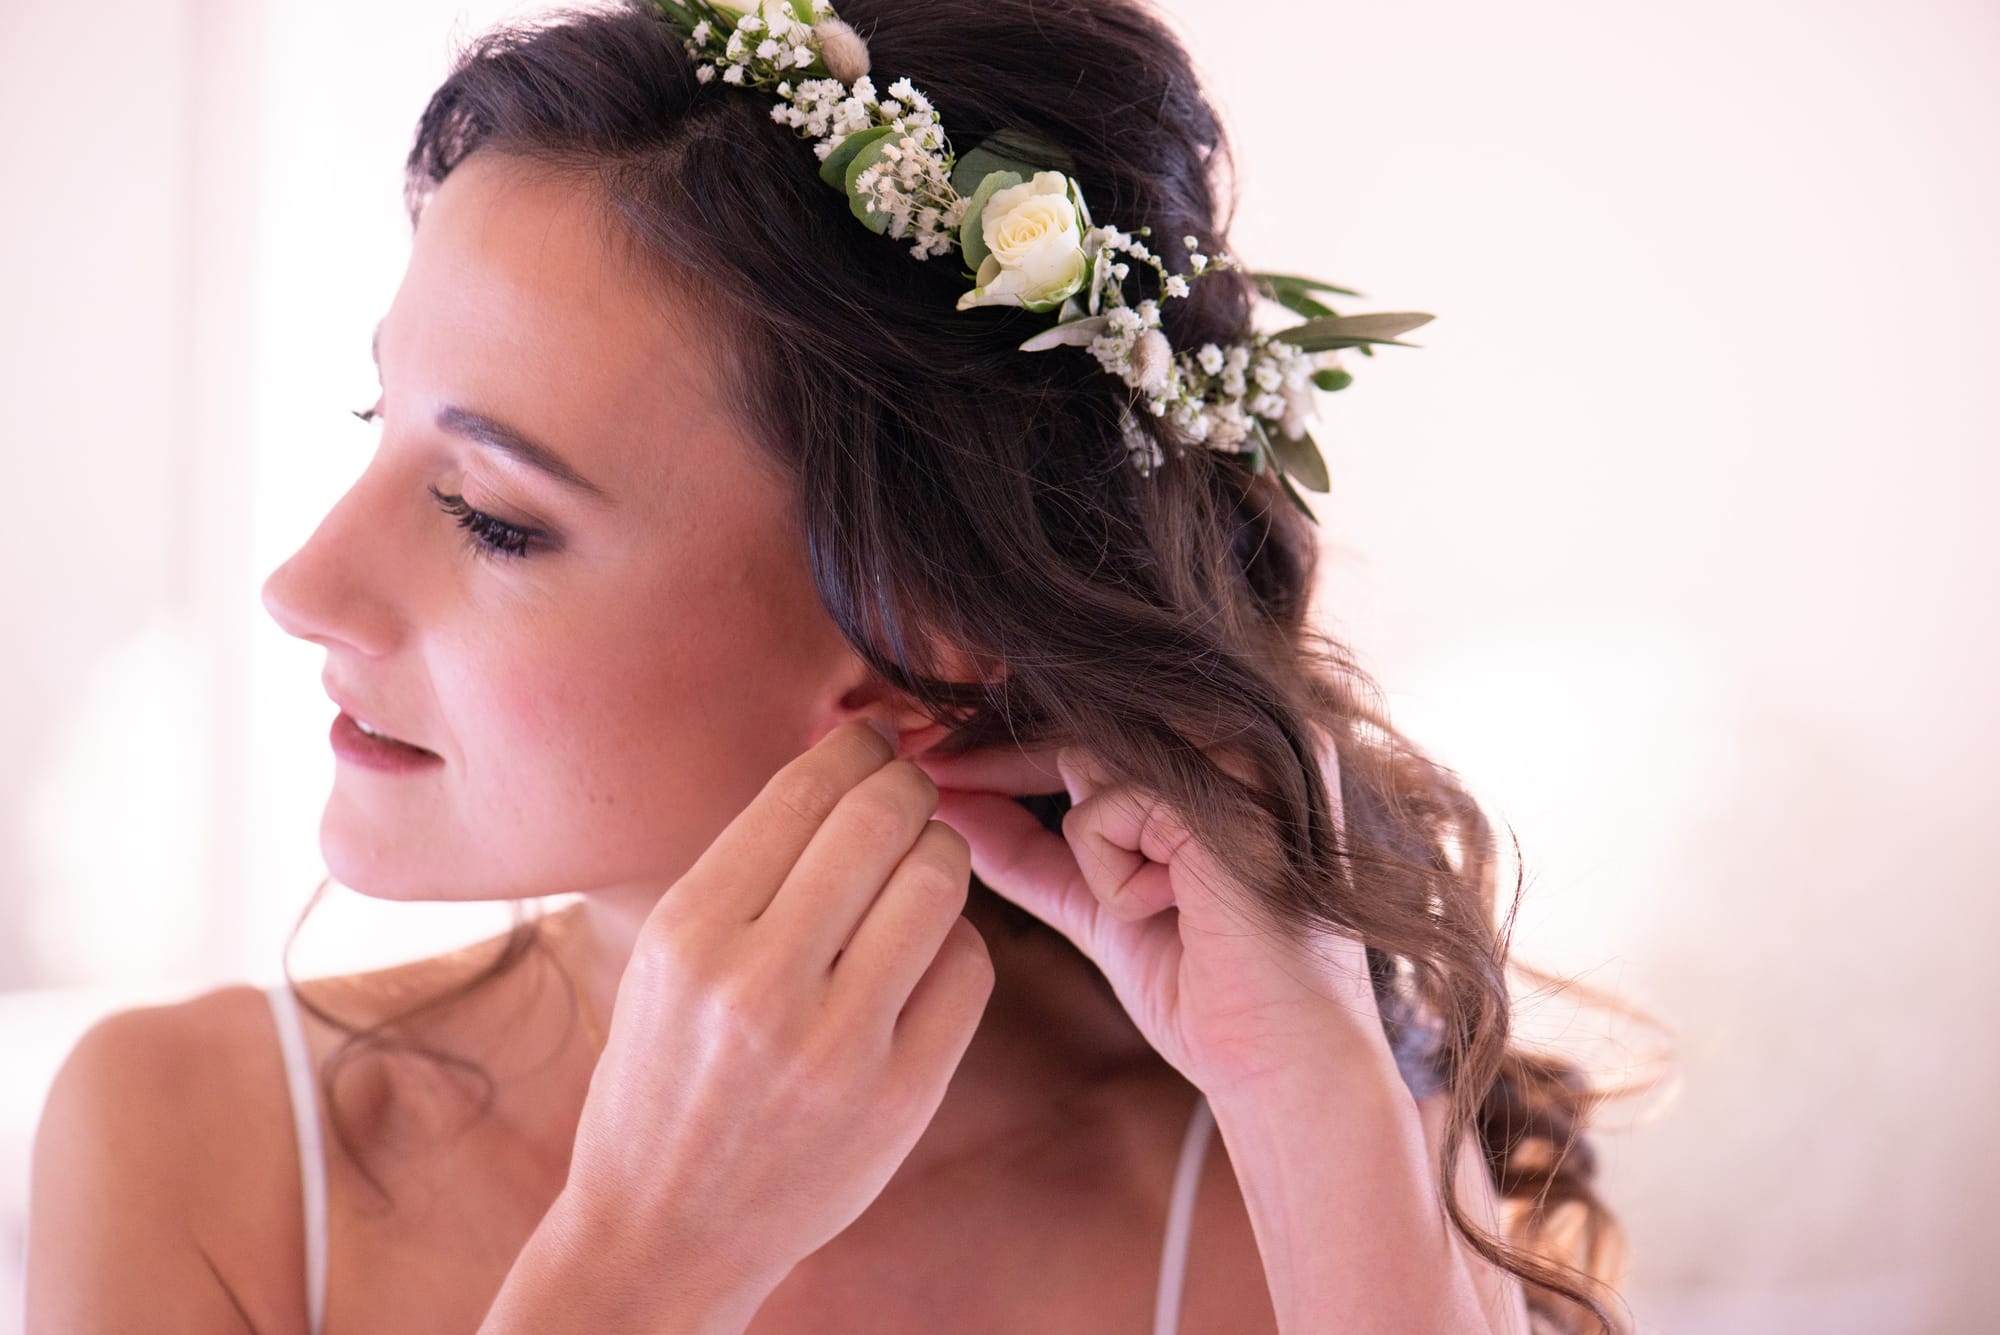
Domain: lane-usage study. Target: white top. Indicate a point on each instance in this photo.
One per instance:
(312, 1175)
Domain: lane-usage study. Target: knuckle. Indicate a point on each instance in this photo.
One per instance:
(912, 785)
(662, 953)
(965, 939)
(934, 873)
(951, 845)
(808, 795)
(876, 814)
(924, 781)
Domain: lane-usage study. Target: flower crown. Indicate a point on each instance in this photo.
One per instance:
(1021, 227)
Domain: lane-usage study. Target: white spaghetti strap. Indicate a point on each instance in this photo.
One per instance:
(1180, 1218)
(312, 1159)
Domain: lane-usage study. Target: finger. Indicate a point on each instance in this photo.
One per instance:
(1139, 856)
(996, 769)
(943, 1013)
(1107, 830)
(904, 928)
(741, 870)
(854, 854)
(1028, 865)
(1024, 862)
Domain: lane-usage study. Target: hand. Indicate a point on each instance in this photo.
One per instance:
(1227, 998)
(788, 1021)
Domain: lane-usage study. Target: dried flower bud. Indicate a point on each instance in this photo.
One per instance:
(1152, 358)
(845, 54)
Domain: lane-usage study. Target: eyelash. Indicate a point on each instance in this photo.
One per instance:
(485, 534)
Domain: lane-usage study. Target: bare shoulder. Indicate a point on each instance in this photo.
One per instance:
(158, 1194)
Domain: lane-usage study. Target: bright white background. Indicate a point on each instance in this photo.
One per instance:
(1675, 539)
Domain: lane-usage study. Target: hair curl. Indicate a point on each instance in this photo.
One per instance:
(960, 498)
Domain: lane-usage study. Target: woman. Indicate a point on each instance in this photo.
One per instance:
(967, 824)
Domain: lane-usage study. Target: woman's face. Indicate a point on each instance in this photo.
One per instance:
(603, 703)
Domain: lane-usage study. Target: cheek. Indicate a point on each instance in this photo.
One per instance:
(608, 746)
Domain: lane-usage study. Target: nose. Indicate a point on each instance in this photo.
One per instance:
(332, 590)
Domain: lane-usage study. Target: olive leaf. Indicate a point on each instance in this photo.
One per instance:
(1071, 333)
(1297, 499)
(1295, 283)
(1257, 455)
(1301, 459)
(1350, 331)
(1100, 274)
(1299, 303)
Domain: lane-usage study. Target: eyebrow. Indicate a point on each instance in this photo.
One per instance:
(498, 436)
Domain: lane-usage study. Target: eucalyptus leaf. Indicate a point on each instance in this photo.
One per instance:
(859, 204)
(1301, 459)
(834, 169)
(1295, 282)
(1071, 333)
(1332, 378)
(971, 234)
(1008, 150)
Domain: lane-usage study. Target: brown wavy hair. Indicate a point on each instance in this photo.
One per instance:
(963, 501)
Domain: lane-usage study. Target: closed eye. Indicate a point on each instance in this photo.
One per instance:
(486, 535)
(492, 536)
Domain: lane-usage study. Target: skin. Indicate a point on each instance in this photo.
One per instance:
(606, 703)
(603, 707)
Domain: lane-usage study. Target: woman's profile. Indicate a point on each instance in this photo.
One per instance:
(868, 574)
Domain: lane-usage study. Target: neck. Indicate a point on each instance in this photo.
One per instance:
(1052, 1027)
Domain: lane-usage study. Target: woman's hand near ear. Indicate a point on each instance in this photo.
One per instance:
(791, 1014)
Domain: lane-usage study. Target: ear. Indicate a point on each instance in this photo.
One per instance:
(916, 730)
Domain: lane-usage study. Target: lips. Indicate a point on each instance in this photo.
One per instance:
(380, 734)
(382, 754)
(365, 718)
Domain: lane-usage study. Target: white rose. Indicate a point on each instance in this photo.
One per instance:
(1034, 244)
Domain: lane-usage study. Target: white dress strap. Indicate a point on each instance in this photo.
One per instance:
(1180, 1218)
(312, 1159)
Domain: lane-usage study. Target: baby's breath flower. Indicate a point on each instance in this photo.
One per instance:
(1041, 256)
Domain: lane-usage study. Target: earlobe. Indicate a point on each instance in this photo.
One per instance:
(917, 733)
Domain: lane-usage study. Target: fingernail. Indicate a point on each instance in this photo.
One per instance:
(888, 732)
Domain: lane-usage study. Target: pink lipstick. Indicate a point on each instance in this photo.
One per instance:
(357, 747)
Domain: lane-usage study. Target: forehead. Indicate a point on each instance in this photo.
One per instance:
(521, 302)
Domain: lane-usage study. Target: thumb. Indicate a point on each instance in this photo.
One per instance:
(1023, 862)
